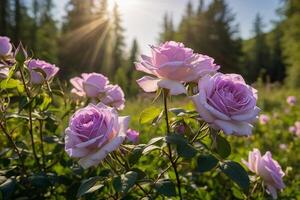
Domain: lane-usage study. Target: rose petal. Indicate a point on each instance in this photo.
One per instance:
(148, 84)
(174, 86)
(234, 127)
(247, 116)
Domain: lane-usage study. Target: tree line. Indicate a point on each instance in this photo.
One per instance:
(90, 38)
(271, 56)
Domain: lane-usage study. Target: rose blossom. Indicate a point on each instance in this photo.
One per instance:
(89, 84)
(93, 132)
(291, 100)
(114, 96)
(173, 64)
(264, 119)
(133, 135)
(268, 169)
(226, 102)
(4, 71)
(39, 68)
(5, 46)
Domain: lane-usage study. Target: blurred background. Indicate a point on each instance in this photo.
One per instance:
(258, 38)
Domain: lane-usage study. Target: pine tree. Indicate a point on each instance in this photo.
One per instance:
(261, 58)
(117, 57)
(168, 32)
(291, 42)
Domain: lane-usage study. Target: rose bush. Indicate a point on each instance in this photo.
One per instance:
(171, 152)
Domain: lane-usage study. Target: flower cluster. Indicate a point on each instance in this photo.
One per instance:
(295, 129)
(97, 87)
(224, 101)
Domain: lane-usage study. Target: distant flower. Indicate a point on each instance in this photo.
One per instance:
(291, 100)
(5, 46)
(264, 119)
(226, 102)
(133, 135)
(41, 71)
(93, 132)
(173, 64)
(114, 97)
(283, 146)
(4, 71)
(268, 169)
(90, 85)
(295, 129)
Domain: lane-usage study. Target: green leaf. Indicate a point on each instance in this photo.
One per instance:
(165, 187)
(39, 181)
(177, 111)
(46, 101)
(236, 173)
(206, 163)
(155, 140)
(184, 149)
(88, 186)
(12, 83)
(124, 182)
(149, 115)
(150, 148)
(135, 155)
(222, 147)
(7, 188)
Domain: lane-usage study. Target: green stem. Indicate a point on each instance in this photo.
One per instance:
(31, 135)
(29, 115)
(165, 95)
(42, 145)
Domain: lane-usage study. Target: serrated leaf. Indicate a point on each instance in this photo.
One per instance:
(184, 149)
(165, 187)
(236, 173)
(86, 186)
(206, 163)
(124, 182)
(222, 147)
(149, 115)
(135, 155)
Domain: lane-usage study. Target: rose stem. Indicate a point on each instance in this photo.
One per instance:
(165, 95)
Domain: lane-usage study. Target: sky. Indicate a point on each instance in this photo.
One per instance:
(142, 19)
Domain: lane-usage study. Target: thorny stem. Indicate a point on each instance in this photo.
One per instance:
(30, 116)
(165, 95)
(15, 148)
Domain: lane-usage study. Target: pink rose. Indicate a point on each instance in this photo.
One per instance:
(264, 119)
(5, 46)
(114, 97)
(133, 135)
(226, 102)
(40, 71)
(90, 85)
(291, 100)
(268, 169)
(173, 64)
(4, 71)
(93, 132)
